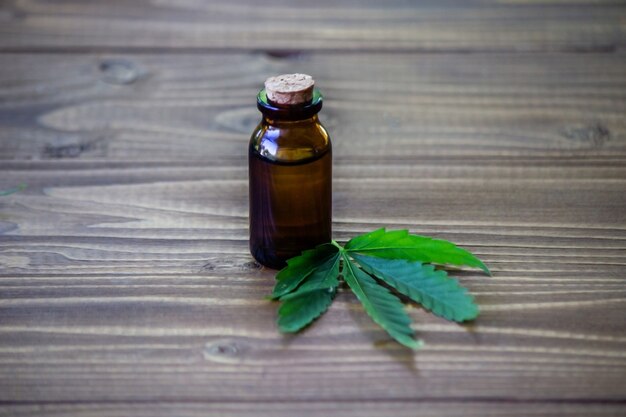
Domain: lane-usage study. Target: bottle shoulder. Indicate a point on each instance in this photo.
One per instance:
(290, 142)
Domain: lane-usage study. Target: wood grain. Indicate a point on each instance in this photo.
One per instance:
(366, 25)
(126, 286)
(126, 279)
(191, 107)
(309, 409)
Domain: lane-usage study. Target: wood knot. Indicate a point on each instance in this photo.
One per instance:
(595, 133)
(118, 71)
(225, 350)
(70, 146)
(283, 53)
(251, 266)
(238, 120)
(66, 151)
(231, 265)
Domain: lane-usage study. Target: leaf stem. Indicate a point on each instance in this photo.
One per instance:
(337, 245)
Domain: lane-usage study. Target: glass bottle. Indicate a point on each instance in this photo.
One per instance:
(290, 180)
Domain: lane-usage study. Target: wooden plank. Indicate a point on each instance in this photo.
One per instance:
(126, 286)
(145, 289)
(309, 409)
(434, 25)
(200, 108)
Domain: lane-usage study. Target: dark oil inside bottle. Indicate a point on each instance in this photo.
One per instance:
(290, 176)
(290, 205)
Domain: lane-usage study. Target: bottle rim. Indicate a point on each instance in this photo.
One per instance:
(295, 112)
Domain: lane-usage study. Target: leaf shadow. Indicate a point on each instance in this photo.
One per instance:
(393, 349)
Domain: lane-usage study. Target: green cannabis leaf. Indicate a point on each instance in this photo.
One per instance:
(313, 297)
(399, 244)
(300, 267)
(423, 284)
(372, 265)
(382, 306)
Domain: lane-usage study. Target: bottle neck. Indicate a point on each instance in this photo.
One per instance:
(282, 122)
(294, 113)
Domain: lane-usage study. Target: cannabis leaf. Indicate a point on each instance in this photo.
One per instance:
(300, 267)
(382, 306)
(301, 307)
(370, 264)
(298, 310)
(424, 284)
(399, 244)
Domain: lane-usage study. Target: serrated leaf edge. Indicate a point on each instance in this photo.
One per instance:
(478, 263)
(406, 289)
(406, 340)
(328, 302)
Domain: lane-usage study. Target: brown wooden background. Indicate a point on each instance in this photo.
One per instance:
(126, 287)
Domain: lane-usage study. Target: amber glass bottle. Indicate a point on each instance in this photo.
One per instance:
(290, 169)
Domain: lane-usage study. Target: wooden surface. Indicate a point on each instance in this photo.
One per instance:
(392, 25)
(126, 286)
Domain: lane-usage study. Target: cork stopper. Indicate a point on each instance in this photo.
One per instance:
(289, 89)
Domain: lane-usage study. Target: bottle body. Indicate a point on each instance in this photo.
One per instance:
(290, 180)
